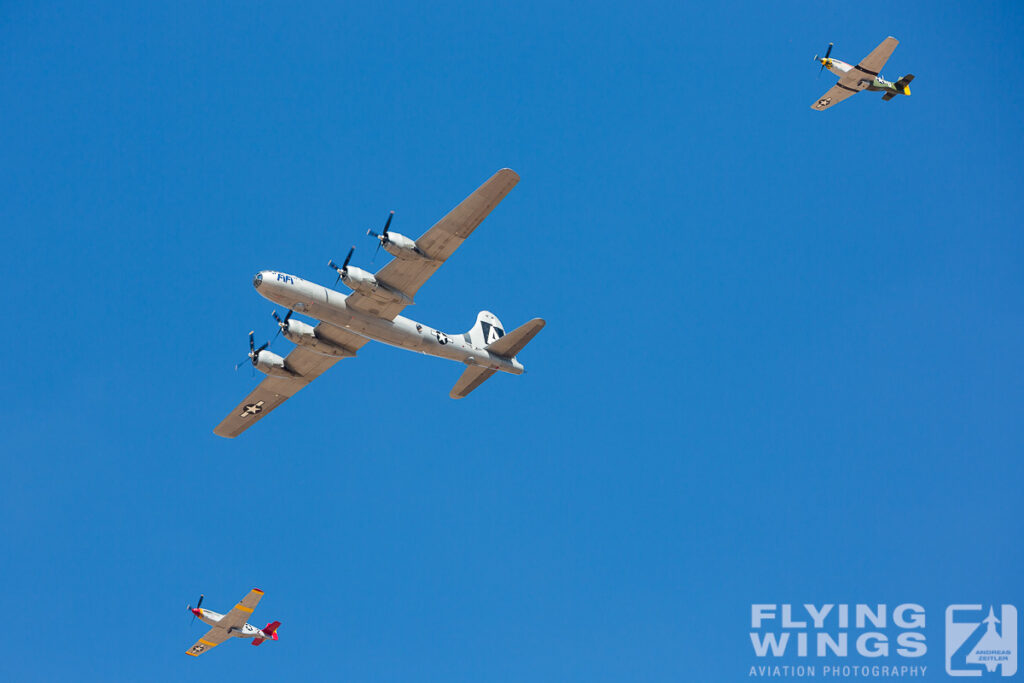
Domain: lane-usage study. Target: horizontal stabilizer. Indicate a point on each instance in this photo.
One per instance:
(903, 85)
(473, 377)
(513, 342)
(888, 96)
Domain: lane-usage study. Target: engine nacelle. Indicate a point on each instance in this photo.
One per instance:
(404, 248)
(272, 364)
(365, 283)
(304, 334)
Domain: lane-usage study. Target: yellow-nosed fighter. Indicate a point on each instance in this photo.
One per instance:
(864, 76)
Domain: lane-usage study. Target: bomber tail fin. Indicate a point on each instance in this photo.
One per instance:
(486, 330)
(501, 344)
(513, 342)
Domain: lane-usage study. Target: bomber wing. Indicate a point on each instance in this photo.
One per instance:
(214, 637)
(275, 390)
(438, 243)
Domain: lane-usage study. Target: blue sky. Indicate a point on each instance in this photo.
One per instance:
(782, 361)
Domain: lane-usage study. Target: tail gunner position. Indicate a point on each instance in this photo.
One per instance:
(865, 76)
(371, 312)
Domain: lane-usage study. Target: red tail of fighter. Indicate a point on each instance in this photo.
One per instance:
(270, 630)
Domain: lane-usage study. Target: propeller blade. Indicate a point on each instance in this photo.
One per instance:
(265, 345)
(827, 53)
(377, 250)
(252, 344)
(348, 258)
(371, 232)
(281, 324)
(388, 224)
(198, 605)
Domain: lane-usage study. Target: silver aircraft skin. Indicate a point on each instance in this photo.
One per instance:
(371, 313)
(327, 305)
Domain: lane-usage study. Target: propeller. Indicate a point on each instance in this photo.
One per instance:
(822, 60)
(382, 238)
(254, 353)
(282, 325)
(198, 605)
(344, 266)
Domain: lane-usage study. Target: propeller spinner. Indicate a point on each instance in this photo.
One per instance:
(824, 59)
(196, 610)
(282, 325)
(254, 353)
(343, 270)
(382, 238)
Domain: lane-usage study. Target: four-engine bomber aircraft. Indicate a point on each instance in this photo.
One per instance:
(231, 625)
(371, 311)
(864, 76)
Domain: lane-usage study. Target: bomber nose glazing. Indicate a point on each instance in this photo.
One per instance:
(258, 280)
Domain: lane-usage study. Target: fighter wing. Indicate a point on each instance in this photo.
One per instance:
(275, 390)
(438, 243)
(214, 637)
(241, 612)
(873, 63)
(837, 93)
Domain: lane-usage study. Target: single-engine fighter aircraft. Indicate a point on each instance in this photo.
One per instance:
(231, 625)
(864, 76)
(371, 311)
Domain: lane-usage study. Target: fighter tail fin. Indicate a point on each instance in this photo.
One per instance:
(903, 84)
(271, 631)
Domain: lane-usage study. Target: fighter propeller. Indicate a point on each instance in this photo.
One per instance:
(823, 59)
(343, 270)
(198, 605)
(382, 238)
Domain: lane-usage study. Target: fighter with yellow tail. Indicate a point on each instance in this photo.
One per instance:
(864, 76)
